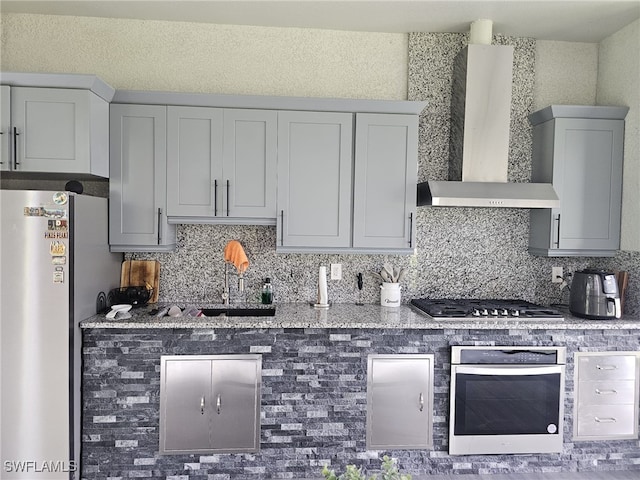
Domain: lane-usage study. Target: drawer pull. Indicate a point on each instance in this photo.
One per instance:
(421, 402)
(201, 405)
(607, 367)
(605, 420)
(606, 392)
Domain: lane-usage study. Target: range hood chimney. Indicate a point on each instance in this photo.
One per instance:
(479, 142)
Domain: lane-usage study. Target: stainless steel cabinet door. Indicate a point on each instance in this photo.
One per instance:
(210, 403)
(236, 412)
(185, 419)
(399, 401)
(386, 170)
(314, 179)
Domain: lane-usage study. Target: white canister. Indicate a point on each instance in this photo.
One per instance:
(390, 294)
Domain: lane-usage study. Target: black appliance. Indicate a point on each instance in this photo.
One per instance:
(488, 309)
(594, 294)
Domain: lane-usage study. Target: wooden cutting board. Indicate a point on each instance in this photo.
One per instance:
(141, 272)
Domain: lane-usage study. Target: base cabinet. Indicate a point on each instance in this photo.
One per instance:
(399, 401)
(210, 404)
(580, 151)
(606, 397)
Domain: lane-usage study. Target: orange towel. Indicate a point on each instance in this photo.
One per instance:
(234, 253)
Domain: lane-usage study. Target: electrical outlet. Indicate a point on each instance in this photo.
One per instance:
(556, 275)
(336, 271)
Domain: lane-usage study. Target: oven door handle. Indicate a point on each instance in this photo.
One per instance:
(507, 370)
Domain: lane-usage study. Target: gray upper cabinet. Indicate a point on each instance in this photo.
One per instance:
(222, 163)
(399, 401)
(580, 151)
(210, 404)
(138, 182)
(55, 130)
(386, 166)
(315, 164)
(5, 127)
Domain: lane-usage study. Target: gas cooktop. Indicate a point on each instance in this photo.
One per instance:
(487, 309)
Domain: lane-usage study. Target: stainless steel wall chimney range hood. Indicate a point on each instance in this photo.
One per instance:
(479, 142)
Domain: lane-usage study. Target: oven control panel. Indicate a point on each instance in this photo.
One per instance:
(507, 355)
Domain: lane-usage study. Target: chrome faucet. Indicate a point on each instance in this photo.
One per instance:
(226, 293)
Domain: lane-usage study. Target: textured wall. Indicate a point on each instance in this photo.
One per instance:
(313, 403)
(619, 84)
(566, 73)
(198, 57)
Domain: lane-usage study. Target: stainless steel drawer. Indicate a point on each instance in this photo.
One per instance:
(608, 421)
(606, 367)
(606, 392)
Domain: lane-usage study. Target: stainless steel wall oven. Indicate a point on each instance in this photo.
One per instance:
(506, 400)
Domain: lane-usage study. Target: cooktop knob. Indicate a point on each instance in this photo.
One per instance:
(494, 312)
(484, 312)
(476, 312)
(515, 313)
(505, 313)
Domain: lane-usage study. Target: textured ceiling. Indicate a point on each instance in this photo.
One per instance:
(574, 20)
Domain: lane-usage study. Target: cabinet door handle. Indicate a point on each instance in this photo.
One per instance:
(1, 133)
(411, 230)
(218, 404)
(605, 420)
(606, 392)
(607, 367)
(557, 242)
(215, 198)
(15, 148)
(201, 405)
(421, 402)
(281, 227)
(159, 226)
(227, 198)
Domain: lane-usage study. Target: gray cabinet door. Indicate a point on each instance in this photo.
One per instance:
(210, 403)
(5, 127)
(56, 128)
(314, 179)
(194, 161)
(583, 158)
(386, 168)
(137, 185)
(249, 163)
(236, 415)
(399, 401)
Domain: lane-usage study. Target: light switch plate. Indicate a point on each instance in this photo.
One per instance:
(336, 271)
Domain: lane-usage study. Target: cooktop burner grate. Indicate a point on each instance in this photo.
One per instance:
(445, 308)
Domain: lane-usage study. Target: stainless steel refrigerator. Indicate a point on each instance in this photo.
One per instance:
(54, 262)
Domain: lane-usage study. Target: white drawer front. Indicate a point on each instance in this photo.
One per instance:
(606, 392)
(607, 367)
(606, 420)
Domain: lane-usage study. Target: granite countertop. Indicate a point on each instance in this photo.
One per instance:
(302, 315)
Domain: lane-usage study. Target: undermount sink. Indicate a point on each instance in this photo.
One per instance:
(238, 312)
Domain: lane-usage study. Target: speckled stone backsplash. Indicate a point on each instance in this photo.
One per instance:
(461, 252)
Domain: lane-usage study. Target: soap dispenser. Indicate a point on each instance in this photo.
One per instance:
(267, 292)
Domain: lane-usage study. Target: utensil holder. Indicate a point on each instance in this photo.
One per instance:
(390, 295)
